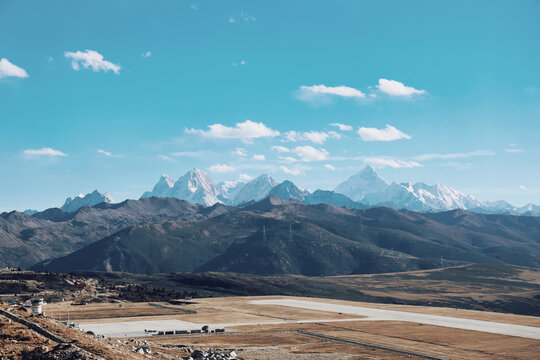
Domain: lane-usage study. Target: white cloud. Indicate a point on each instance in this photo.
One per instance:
(163, 157)
(245, 177)
(259, 157)
(281, 149)
(290, 171)
(309, 153)
(318, 137)
(288, 159)
(453, 156)
(522, 187)
(242, 62)
(514, 150)
(106, 153)
(146, 54)
(193, 6)
(389, 133)
(342, 127)
(242, 17)
(9, 69)
(221, 168)
(329, 166)
(91, 59)
(43, 152)
(291, 135)
(247, 17)
(245, 130)
(319, 92)
(240, 152)
(396, 88)
(394, 163)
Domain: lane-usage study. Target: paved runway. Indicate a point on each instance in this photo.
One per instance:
(530, 332)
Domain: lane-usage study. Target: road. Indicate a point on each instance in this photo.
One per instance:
(372, 314)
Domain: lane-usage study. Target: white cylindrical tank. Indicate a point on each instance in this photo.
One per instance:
(36, 306)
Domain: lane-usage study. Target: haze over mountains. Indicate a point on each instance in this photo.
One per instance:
(366, 188)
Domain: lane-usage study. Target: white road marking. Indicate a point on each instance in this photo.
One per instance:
(372, 314)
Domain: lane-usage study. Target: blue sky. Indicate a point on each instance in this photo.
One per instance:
(440, 92)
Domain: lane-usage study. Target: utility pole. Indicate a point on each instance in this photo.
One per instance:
(264, 233)
(290, 233)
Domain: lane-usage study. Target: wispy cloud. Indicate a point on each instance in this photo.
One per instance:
(146, 54)
(106, 153)
(8, 69)
(91, 59)
(242, 17)
(394, 163)
(427, 157)
(221, 168)
(163, 157)
(259, 157)
(242, 62)
(514, 150)
(244, 177)
(309, 153)
(396, 88)
(293, 171)
(318, 137)
(43, 152)
(389, 133)
(322, 92)
(281, 149)
(245, 130)
(240, 152)
(342, 127)
(329, 167)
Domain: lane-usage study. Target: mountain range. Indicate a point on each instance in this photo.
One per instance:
(277, 236)
(364, 189)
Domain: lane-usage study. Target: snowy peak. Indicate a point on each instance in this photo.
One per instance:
(287, 190)
(196, 186)
(95, 197)
(256, 189)
(365, 182)
(229, 189)
(162, 188)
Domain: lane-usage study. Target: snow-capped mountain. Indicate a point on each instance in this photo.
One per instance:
(195, 186)
(287, 190)
(163, 188)
(91, 199)
(529, 210)
(364, 189)
(422, 197)
(256, 189)
(229, 190)
(366, 184)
